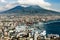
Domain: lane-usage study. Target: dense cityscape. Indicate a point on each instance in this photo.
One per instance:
(14, 27)
(29, 19)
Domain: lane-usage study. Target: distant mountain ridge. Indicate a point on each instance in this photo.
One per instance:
(30, 10)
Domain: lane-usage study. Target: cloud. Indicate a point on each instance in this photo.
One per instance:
(7, 6)
(2, 1)
(52, 9)
(34, 2)
(41, 3)
(1, 8)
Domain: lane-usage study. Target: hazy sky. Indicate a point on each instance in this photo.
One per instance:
(47, 4)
